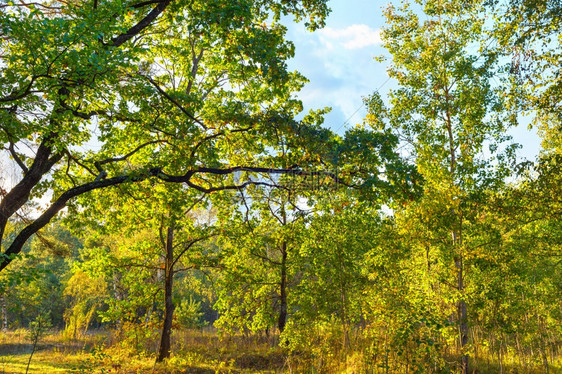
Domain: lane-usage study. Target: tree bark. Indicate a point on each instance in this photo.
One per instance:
(282, 321)
(19, 194)
(165, 341)
(4, 313)
(463, 327)
(462, 313)
(457, 242)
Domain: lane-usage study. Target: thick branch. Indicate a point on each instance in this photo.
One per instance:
(18, 196)
(270, 171)
(16, 246)
(144, 23)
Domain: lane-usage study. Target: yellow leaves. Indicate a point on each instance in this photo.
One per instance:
(81, 285)
(482, 253)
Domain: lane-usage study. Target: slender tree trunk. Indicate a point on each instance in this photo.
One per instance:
(462, 313)
(75, 330)
(463, 327)
(31, 355)
(519, 350)
(345, 336)
(545, 359)
(457, 238)
(282, 321)
(165, 341)
(500, 355)
(4, 313)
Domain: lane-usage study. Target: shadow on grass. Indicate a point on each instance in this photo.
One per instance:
(483, 367)
(16, 349)
(272, 360)
(198, 370)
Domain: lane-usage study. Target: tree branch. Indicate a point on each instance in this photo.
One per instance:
(171, 99)
(41, 165)
(19, 194)
(16, 246)
(123, 158)
(189, 245)
(142, 24)
(17, 158)
(26, 91)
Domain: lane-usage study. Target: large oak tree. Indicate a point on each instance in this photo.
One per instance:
(105, 93)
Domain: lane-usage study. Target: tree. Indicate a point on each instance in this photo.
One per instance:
(446, 111)
(177, 248)
(339, 234)
(36, 282)
(86, 295)
(259, 261)
(38, 329)
(526, 215)
(187, 92)
(164, 236)
(527, 32)
(130, 265)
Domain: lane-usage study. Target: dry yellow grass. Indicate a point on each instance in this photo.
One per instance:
(200, 352)
(196, 352)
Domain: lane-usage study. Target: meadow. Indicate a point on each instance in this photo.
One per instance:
(204, 351)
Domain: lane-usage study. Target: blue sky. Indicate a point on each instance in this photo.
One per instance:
(339, 62)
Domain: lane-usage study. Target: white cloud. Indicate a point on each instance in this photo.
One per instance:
(339, 63)
(352, 37)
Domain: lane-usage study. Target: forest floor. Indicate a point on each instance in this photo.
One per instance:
(195, 352)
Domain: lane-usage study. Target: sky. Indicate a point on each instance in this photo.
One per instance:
(339, 63)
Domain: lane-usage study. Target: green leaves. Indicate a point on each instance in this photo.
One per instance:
(127, 91)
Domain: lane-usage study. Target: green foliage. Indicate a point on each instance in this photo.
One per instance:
(38, 328)
(37, 281)
(259, 260)
(93, 363)
(86, 294)
(411, 241)
(173, 91)
(449, 114)
(189, 313)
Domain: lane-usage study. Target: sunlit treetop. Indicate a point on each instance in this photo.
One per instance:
(97, 94)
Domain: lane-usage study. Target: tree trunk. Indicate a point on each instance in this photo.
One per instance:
(165, 341)
(4, 313)
(282, 321)
(463, 326)
(462, 316)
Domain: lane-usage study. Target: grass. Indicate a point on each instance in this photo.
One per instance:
(54, 354)
(196, 352)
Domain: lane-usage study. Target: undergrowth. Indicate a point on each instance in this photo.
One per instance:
(204, 351)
